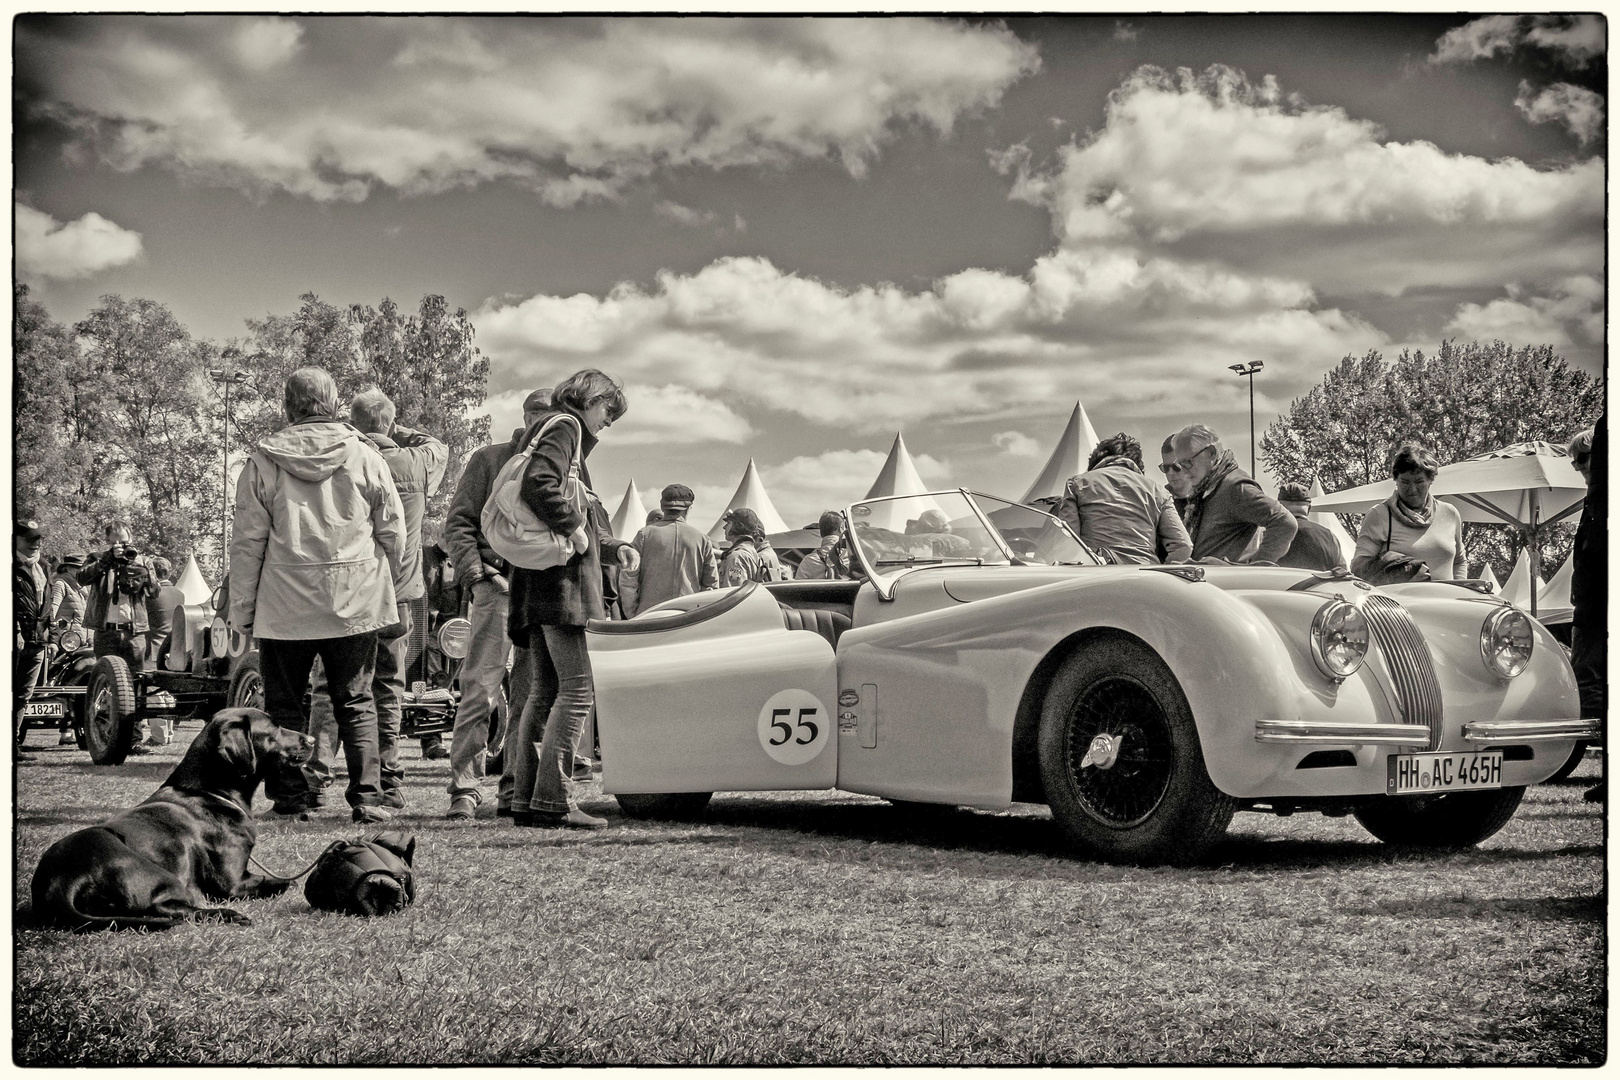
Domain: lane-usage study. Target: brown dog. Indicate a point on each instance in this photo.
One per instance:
(157, 864)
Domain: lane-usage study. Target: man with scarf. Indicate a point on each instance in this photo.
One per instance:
(1227, 505)
(1114, 507)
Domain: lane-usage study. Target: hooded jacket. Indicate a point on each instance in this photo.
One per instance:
(317, 544)
(416, 460)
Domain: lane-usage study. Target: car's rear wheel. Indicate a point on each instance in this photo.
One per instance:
(247, 684)
(671, 806)
(1460, 819)
(1121, 760)
(109, 711)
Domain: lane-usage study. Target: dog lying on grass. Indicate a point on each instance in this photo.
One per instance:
(158, 864)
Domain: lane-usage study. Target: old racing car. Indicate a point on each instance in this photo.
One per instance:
(990, 657)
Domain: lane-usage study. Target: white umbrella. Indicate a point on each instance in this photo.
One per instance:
(1528, 485)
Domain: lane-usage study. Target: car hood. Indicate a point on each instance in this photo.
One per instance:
(968, 583)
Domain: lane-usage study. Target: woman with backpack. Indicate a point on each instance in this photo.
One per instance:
(549, 608)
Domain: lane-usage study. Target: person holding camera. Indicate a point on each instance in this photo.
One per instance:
(1411, 536)
(120, 581)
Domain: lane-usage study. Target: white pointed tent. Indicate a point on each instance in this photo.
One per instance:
(192, 585)
(1516, 590)
(1488, 576)
(1556, 604)
(1068, 457)
(751, 493)
(1330, 522)
(897, 477)
(631, 515)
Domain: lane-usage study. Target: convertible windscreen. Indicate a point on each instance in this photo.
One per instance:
(918, 530)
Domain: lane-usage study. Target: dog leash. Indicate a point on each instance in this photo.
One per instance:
(263, 869)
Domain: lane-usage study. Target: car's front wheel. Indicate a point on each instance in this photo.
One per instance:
(1460, 819)
(671, 806)
(247, 684)
(1121, 760)
(109, 711)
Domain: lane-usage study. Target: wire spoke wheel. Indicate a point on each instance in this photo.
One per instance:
(103, 724)
(1127, 791)
(250, 691)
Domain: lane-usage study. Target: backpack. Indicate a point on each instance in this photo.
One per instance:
(364, 877)
(514, 531)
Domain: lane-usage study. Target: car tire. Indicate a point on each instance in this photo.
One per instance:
(247, 684)
(672, 806)
(1460, 819)
(1577, 754)
(1154, 802)
(109, 708)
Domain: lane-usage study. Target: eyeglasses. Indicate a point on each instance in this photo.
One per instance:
(1181, 465)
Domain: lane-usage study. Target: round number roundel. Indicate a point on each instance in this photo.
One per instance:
(794, 726)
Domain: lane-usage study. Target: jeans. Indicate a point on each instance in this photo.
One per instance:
(481, 674)
(560, 698)
(26, 666)
(1587, 645)
(132, 647)
(351, 664)
(388, 689)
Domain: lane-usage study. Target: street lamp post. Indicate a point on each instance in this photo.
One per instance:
(1248, 372)
(227, 379)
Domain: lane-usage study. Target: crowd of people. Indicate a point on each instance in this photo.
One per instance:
(326, 558)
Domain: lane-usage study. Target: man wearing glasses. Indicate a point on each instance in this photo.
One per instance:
(1226, 505)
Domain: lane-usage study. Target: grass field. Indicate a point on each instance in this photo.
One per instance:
(829, 928)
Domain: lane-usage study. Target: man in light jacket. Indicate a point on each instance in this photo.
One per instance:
(317, 561)
(676, 559)
(476, 566)
(1114, 507)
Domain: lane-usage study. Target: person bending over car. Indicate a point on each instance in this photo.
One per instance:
(1227, 506)
(1114, 507)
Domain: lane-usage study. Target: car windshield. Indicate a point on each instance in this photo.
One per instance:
(920, 530)
(1034, 535)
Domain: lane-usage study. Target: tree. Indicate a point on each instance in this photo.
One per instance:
(1462, 401)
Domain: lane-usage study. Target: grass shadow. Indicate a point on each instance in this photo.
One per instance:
(1581, 908)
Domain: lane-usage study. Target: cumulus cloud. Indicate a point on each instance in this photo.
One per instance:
(1575, 39)
(1570, 313)
(685, 215)
(574, 109)
(1219, 166)
(46, 248)
(659, 416)
(1577, 108)
(1016, 444)
(1124, 31)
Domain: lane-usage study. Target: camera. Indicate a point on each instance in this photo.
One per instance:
(128, 554)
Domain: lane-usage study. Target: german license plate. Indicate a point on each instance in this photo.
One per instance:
(45, 708)
(1421, 774)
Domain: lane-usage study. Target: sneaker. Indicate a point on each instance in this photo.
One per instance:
(393, 799)
(435, 752)
(503, 811)
(66, 738)
(462, 808)
(372, 815)
(139, 749)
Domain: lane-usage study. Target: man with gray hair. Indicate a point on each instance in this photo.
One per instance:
(317, 560)
(477, 567)
(417, 461)
(1226, 505)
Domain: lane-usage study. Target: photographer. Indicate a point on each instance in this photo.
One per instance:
(121, 581)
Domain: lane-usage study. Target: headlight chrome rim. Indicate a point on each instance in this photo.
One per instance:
(454, 637)
(1507, 632)
(1340, 638)
(71, 641)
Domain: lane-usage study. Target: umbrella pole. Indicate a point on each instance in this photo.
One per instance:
(1535, 547)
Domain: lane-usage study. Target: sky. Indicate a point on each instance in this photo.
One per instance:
(792, 239)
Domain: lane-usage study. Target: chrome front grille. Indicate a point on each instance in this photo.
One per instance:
(1410, 666)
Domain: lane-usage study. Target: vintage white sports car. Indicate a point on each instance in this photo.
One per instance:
(991, 657)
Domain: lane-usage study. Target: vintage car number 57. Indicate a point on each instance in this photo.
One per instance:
(1411, 774)
(793, 726)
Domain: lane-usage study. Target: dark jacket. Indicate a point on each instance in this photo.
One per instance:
(28, 600)
(416, 460)
(1589, 578)
(139, 576)
(1314, 548)
(463, 531)
(1226, 509)
(442, 583)
(570, 594)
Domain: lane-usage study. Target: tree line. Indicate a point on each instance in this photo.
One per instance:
(116, 416)
(1461, 401)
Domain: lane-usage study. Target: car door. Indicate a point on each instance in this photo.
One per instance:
(712, 692)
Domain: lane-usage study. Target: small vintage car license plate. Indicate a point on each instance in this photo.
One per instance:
(1416, 774)
(45, 708)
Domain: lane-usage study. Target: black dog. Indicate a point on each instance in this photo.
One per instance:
(158, 864)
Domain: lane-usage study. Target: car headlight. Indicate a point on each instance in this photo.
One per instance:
(453, 637)
(1506, 642)
(72, 641)
(1339, 638)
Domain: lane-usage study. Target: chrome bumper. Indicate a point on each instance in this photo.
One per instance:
(1523, 731)
(1304, 731)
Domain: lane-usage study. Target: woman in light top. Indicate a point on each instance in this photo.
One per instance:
(1411, 536)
